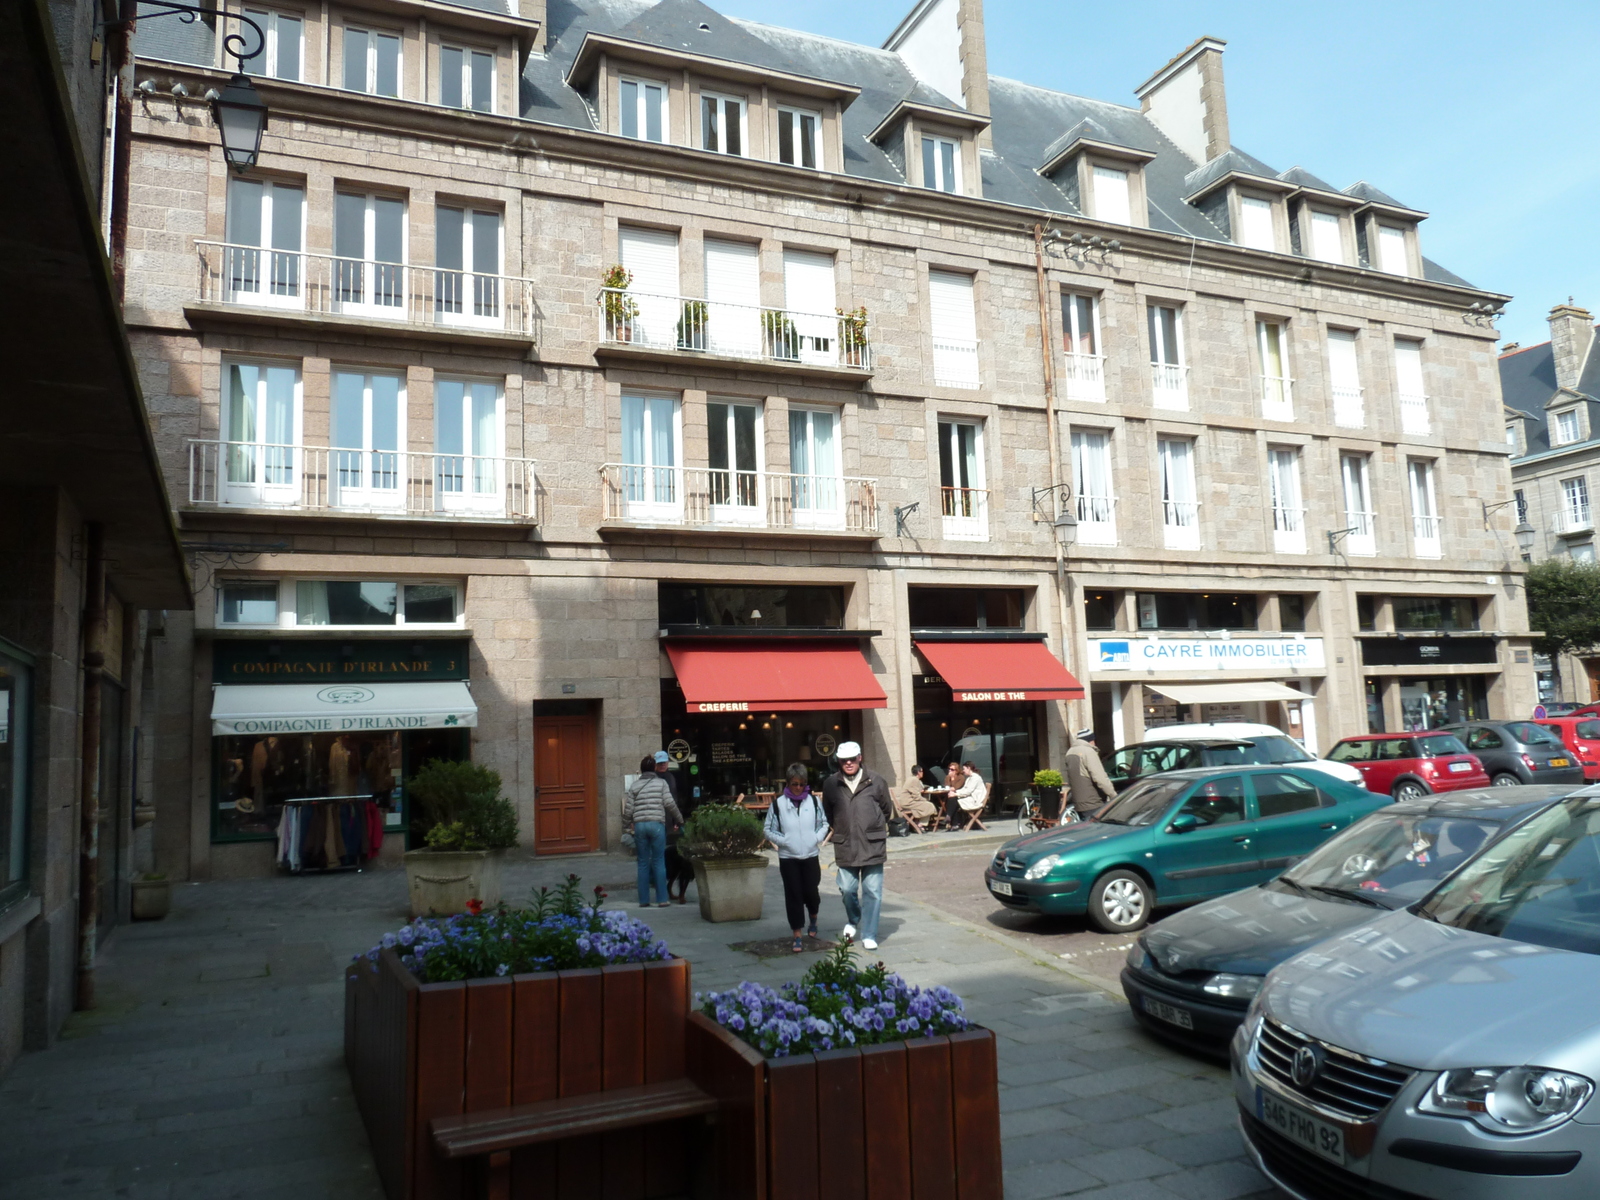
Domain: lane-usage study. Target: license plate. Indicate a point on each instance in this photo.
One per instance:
(1560, 762)
(1167, 1013)
(1321, 1137)
(1461, 766)
(1000, 887)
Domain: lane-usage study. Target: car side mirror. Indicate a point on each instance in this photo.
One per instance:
(1184, 823)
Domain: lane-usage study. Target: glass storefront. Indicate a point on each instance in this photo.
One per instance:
(720, 755)
(15, 680)
(1429, 703)
(1000, 737)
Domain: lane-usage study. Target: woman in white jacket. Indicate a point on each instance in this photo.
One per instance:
(797, 826)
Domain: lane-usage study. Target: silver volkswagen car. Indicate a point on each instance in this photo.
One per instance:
(1450, 1050)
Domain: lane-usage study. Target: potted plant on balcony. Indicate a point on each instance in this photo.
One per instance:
(470, 826)
(619, 308)
(853, 335)
(778, 329)
(724, 842)
(692, 326)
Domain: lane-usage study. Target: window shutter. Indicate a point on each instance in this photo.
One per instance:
(1327, 241)
(1392, 255)
(1111, 196)
(1342, 369)
(808, 293)
(732, 273)
(651, 255)
(1408, 368)
(950, 301)
(1255, 224)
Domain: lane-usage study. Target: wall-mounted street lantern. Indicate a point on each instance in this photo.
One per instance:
(1524, 532)
(1065, 520)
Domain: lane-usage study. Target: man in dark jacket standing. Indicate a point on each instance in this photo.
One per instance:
(858, 807)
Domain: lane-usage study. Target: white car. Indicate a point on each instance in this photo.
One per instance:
(1279, 745)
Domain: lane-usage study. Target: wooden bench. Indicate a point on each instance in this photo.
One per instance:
(494, 1133)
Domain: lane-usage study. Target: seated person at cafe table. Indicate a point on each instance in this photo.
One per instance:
(912, 802)
(967, 795)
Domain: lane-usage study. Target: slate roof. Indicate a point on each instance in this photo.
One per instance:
(1029, 123)
(1528, 384)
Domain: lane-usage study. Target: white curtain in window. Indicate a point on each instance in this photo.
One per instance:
(1111, 196)
(1284, 477)
(1091, 475)
(1327, 239)
(1177, 481)
(814, 458)
(1392, 256)
(1353, 468)
(650, 449)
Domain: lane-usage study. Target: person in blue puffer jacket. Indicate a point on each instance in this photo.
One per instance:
(797, 826)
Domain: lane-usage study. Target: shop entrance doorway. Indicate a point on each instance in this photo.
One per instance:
(566, 787)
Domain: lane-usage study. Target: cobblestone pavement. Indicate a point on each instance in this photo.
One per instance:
(213, 1066)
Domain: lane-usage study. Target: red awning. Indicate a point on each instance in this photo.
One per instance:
(779, 676)
(1001, 671)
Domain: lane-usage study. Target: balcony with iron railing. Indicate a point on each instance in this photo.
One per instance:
(1097, 520)
(1361, 537)
(647, 322)
(1573, 518)
(1171, 384)
(710, 499)
(1425, 536)
(1414, 414)
(1180, 524)
(374, 483)
(1085, 377)
(1288, 529)
(965, 513)
(1277, 397)
(1348, 409)
(299, 287)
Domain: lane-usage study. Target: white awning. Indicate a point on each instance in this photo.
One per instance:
(247, 708)
(1226, 693)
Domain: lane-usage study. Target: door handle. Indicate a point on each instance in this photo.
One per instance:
(1329, 825)
(1244, 841)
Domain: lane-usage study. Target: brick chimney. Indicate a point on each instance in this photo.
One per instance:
(943, 44)
(1571, 335)
(1187, 101)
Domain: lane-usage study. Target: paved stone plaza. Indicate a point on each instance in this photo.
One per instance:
(213, 1066)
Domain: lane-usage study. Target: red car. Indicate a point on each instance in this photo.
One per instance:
(1409, 765)
(1581, 735)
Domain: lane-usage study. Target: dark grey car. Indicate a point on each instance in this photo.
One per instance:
(1516, 752)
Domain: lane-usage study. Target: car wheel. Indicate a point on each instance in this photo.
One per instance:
(1120, 902)
(1409, 790)
(1505, 779)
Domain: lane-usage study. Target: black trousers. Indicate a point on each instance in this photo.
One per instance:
(800, 896)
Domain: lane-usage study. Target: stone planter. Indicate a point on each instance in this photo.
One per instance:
(151, 900)
(731, 889)
(442, 881)
(416, 1051)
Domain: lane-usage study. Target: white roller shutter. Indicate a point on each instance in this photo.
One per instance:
(1342, 369)
(1408, 368)
(955, 329)
(733, 293)
(651, 256)
(810, 300)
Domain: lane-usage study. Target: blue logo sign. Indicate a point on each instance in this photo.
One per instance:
(1114, 654)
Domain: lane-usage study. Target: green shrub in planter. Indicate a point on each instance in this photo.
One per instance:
(721, 831)
(1047, 778)
(462, 808)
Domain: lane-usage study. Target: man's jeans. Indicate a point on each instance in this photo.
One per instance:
(862, 890)
(650, 838)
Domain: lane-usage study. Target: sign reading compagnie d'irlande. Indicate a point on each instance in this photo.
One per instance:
(385, 661)
(1206, 654)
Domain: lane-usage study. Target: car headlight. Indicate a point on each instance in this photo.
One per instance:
(1040, 867)
(1139, 958)
(1233, 987)
(1508, 1099)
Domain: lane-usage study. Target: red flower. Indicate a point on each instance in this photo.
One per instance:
(475, 906)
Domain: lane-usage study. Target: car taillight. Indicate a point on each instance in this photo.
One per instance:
(1527, 761)
(1427, 766)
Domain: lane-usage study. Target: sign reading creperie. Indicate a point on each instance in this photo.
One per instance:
(719, 706)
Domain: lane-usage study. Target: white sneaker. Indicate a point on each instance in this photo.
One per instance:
(849, 933)
(868, 944)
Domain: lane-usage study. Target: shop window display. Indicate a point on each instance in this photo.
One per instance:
(1197, 610)
(1435, 612)
(1100, 609)
(965, 608)
(1430, 703)
(720, 756)
(1292, 610)
(712, 605)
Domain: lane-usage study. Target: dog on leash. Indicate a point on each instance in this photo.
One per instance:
(680, 874)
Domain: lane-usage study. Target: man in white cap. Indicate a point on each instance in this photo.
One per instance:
(858, 807)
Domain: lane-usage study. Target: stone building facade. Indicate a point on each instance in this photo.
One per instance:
(878, 323)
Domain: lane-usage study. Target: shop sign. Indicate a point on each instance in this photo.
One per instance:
(1207, 654)
(678, 750)
(304, 661)
(726, 753)
(718, 706)
(826, 744)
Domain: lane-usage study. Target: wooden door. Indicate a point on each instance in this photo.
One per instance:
(566, 789)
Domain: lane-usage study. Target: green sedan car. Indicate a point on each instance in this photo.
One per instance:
(1176, 839)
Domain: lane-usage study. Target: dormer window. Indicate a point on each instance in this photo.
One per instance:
(941, 164)
(1567, 428)
(722, 124)
(372, 61)
(1393, 257)
(280, 55)
(799, 138)
(1111, 199)
(1326, 236)
(642, 109)
(466, 78)
(1257, 224)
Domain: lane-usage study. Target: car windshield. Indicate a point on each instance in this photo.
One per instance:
(1530, 734)
(1260, 750)
(1143, 803)
(1538, 884)
(1390, 858)
(1436, 744)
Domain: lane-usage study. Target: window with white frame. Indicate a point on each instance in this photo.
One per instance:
(642, 109)
(961, 490)
(1410, 386)
(367, 437)
(1359, 519)
(1080, 319)
(247, 603)
(1325, 238)
(467, 441)
(955, 329)
(651, 435)
(1112, 195)
(733, 323)
(1425, 525)
(265, 233)
(651, 311)
(815, 464)
(1180, 507)
(1392, 253)
(261, 423)
(799, 137)
(734, 452)
(1167, 369)
(941, 164)
(1566, 427)
(1344, 379)
(467, 254)
(352, 603)
(466, 78)
(1288, 509)
(1272, 345)
(1575, 504)
(1092, 487)
(369, 242)
(1511, 435)
(722, 124)
(281, 54)
(811, 304)
(371, 61)
(1256, 224)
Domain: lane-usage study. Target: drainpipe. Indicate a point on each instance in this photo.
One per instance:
(120, 66)
(1052, 426)
(94, 661)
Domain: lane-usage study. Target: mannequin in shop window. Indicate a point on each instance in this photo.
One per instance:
(266, 768)
(344, 765)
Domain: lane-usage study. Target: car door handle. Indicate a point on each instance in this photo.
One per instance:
(1329, 825)
(1243, 841)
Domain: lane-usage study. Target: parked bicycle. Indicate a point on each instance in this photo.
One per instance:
(1031, 816)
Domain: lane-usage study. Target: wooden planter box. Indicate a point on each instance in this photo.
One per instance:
(416, 1051)
(918, 1119)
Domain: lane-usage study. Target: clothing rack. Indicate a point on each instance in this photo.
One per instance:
(320, 833)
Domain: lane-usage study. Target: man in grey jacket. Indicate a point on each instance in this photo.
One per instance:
(858, 807)
(1088, 785)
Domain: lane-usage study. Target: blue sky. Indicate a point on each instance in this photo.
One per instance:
(1481, 114)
